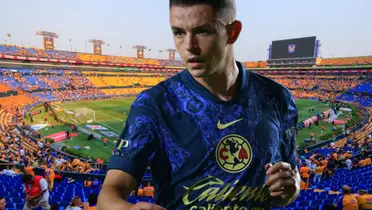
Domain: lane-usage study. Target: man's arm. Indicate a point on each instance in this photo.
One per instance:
(291, 184)
(40, 194)
(115, 190)
(116, 187)
(130, 157)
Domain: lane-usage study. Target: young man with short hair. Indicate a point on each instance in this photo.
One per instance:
(216, 136)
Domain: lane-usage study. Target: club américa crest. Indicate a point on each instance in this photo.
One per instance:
(233, 153)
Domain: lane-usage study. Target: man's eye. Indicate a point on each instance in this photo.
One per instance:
(179, 33)
(203, 32)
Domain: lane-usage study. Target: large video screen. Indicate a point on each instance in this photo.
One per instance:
(293, 48)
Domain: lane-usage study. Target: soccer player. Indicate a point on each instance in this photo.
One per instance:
(216, 136)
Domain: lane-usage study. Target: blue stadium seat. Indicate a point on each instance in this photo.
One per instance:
(334, 196)
(67, 198)
(316, 202)
(321, 197)
(64, 204)
(292, 205)
(311, 198)
(56, 198)
(10, 206)
(145, 200)
(19, 205)
(304, 203)
(17, 200)
(132, 200)
(314, 207)
(328, 201)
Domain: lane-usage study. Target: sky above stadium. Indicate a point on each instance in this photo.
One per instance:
(343, 26)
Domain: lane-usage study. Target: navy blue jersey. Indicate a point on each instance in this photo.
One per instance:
(206, 153)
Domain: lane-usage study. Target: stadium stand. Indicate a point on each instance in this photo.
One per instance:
(319, 87)
(360, 93)
(15, 50)
(36, 52)
(258, 64)
(116, 59)
(23, 88)
(346, 61)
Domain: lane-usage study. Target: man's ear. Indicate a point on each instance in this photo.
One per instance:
(233, 31)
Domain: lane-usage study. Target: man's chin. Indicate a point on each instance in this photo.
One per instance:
(197, 73)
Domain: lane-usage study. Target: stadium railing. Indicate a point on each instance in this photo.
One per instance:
(40, 171)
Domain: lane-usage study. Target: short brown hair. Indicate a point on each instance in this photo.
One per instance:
(224, 9)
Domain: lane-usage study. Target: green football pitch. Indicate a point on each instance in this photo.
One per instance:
(112, 114)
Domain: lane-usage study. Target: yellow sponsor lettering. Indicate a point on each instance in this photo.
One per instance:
(236, 193)
(252, 194)
(197, 186)
(214, 189)
(223, 192)
(214, 207)
(209, 194)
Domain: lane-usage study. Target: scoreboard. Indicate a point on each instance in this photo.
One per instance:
(293, 48)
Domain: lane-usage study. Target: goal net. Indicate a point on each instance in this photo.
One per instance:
(86, 113)
(79, 115)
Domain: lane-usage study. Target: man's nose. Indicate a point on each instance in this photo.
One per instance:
(191, 43)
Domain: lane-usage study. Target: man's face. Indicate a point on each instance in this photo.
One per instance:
(2, 204)
(31, 181)
(200, 39)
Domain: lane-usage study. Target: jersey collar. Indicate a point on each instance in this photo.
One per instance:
(205, 93)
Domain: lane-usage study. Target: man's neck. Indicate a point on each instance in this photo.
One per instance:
(224, 83)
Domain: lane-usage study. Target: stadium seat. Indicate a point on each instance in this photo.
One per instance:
(64, 204)
(17, 200)
(316, 202)
(19, 205)
(311, 197)
(314, 207)
(132, 200)
(304, 203)
(9, 206)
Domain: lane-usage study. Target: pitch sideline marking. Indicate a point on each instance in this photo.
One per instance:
(109, 115)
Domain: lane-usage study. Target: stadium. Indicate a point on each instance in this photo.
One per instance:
(63, 112)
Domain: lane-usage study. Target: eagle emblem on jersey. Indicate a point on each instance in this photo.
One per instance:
(233, 153)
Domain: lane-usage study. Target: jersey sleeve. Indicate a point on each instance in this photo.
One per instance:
(289, 126)
(135, 145)
(43, 184)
